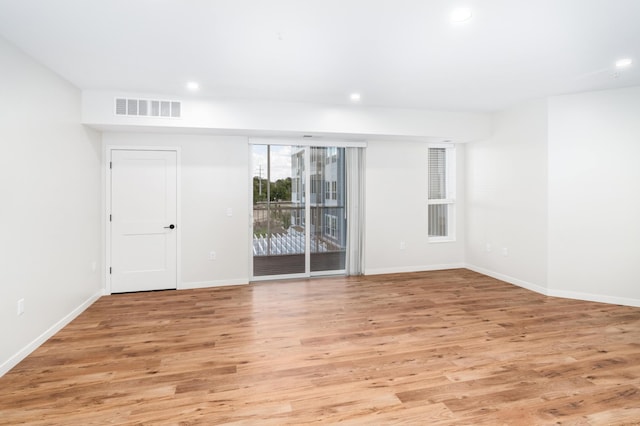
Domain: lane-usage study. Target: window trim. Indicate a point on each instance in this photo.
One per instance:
(450, 200)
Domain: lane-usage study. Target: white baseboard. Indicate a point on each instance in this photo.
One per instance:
(206, 284)
(35, 344)
(425, 268)
(590, 297)
(511, 280)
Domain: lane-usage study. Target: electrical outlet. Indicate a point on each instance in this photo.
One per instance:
(20, 310)
(402, 245)
(505, 251)
(212, 255)
(487, 247)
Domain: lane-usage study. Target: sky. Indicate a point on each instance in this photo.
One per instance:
(280, 161)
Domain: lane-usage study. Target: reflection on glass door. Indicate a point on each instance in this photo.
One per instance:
(327, 204)
(282, 205)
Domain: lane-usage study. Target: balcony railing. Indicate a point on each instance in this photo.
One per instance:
(280, 229)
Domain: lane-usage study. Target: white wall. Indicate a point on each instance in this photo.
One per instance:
(398, 163)
(594, 195)
(214, 178)
(507, 198)
(557, 185)
(263, 118)
(51, 205)
(396, 210)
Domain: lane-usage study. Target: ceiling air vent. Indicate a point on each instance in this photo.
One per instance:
(148, 108)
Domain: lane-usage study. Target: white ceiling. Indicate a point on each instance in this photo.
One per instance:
(396, 53)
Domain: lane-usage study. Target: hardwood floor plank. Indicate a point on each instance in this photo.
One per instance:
(439, 348)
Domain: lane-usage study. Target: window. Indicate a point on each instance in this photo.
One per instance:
(331, 190)
(317, 189)
(330, 225)
(441, 192)
(331, 155)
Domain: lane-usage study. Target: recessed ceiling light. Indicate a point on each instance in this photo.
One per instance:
(461, 14)
(355, 97)
(192, 85)
(623, 63)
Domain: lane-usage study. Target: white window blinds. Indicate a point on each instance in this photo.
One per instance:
(437, 173)
(441, 193)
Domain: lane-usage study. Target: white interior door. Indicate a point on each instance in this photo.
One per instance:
(143, 220)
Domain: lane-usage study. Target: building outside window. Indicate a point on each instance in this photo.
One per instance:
(330, 225)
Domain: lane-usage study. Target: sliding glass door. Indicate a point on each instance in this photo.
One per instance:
(279, 242)
(299, 216)
(327, 205)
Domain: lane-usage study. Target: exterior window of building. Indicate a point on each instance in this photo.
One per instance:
(330, 225)
(315, 187)
(331, 190)
(441, 192)
(331, 155)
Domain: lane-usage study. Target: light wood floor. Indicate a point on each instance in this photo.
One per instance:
(438, 348)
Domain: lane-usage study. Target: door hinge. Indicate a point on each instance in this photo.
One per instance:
(110, 218)
(111, 164)
(109, 270)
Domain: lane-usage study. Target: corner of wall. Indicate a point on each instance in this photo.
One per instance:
(50, 332)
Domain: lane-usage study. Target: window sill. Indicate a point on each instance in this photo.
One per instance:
(441, 240)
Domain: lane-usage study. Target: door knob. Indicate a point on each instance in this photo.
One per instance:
(170, 226)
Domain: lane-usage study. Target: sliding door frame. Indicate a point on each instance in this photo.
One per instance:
(307, 143)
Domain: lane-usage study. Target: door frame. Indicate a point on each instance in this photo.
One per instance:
(107, 208)
(307, 144)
